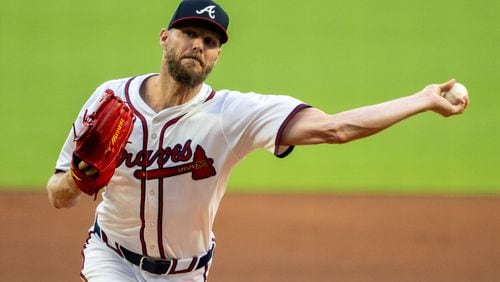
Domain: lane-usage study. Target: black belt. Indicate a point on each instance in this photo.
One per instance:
(153, 265)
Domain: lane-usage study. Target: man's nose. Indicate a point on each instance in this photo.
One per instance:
(198, 44)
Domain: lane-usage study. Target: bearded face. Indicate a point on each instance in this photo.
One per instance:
(189, 69)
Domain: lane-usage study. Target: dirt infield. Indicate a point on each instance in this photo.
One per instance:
(286, 238)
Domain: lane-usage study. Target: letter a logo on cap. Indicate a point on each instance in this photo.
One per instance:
(209, 9)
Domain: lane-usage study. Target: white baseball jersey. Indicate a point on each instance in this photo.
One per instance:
(164, 195)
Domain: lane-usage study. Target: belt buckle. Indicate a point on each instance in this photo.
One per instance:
(155, 266)
(140, 263)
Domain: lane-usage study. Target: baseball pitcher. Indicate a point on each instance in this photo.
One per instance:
(162, 147)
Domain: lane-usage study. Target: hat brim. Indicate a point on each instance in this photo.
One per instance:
(215, 26)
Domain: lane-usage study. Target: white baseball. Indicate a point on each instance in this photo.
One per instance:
(457, 92)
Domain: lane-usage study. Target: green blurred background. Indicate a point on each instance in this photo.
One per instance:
(335, 55)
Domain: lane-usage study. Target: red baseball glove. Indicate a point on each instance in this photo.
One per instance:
(100, 143)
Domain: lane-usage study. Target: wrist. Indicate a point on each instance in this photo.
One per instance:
(423, 101)
(71, 184)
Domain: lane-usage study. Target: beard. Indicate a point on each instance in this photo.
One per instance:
(185, 75)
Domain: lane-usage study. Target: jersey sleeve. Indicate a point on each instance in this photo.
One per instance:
(66, 154)
(250, 121)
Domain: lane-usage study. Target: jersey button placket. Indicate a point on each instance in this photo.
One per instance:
(153, 135)
(152, 194)
(155, 126)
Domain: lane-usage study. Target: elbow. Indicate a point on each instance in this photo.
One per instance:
(341, 139)
(335, 134)
(337, 138)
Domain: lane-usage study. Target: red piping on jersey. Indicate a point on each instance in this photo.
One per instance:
(144, 167)
(212, 94)
(160, 181)
(160, 190)
(205, 273)
(83, 257)
(144, 170)
(282, 128)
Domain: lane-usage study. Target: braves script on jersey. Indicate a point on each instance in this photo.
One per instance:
(174, 170)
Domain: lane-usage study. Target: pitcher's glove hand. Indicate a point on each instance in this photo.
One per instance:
(100, 143)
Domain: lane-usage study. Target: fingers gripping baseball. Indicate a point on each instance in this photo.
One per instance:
(100, 143)
(445, 99)
(87, 168)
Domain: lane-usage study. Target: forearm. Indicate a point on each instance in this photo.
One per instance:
(312, 126)
(365, 121)
(62, 190)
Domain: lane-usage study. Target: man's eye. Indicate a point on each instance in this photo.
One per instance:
(190, 33)
(211, 42)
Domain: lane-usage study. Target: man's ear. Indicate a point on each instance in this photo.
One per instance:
(164, 33)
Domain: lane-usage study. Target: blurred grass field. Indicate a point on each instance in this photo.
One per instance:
(334, 55)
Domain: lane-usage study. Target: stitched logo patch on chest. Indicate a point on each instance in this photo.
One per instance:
(200, 167)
